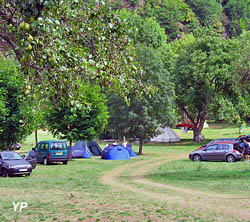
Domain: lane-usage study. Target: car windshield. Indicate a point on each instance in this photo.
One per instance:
(11, 156)
(58, 146)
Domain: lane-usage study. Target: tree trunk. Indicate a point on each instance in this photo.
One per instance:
(197, 134)
(70, 150)
(36, 137)
(140, 146)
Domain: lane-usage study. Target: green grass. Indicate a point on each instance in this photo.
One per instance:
(74, 192)
(220, 177)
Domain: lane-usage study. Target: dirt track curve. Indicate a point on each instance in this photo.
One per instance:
(223, 207)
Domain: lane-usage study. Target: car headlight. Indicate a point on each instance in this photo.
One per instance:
(10, 167)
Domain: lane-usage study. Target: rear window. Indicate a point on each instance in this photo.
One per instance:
(58, 146)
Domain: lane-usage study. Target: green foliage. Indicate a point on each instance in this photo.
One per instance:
(203, 74)
(145, 114)
(238, 13)
(171, 15)
(150, 33)
(209, 12)
(241, 74)
(16, 115)
(84, 118)
(60, 43)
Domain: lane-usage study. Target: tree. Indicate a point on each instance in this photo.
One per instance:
(174, 17)
(240, 70)
(60, 43)
(64, 45)
(202, 73)
(145, 113)
(16, 115)
(238, 13)
(209, 12)
(84, 118)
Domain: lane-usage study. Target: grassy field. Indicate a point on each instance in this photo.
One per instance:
(161, 185)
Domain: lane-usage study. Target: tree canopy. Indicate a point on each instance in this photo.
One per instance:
(202, 74)
(16, 115)
(147, 112)
(60, 44)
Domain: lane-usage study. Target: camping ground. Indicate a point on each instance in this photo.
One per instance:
(161, 185)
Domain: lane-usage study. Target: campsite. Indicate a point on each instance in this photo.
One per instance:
(161, 185)
(108, 110)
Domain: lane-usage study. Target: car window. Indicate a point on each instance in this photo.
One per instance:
(58, 146)
(11, 156)
(38, 146)
(44, 146)
(223, 147)
(210, 148)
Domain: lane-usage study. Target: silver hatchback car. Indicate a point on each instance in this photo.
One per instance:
(219, 151)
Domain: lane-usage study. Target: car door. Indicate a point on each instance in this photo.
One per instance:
(209, 152)
(221, 151)
(44, 149)
(37, 152)
(31, 158)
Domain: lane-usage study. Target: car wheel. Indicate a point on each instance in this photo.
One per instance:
(45, 161)
(4, 172)
(197, 158)
(28, 174)
(65, 162)
(230, 159)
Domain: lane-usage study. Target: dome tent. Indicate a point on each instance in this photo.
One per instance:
(115, 152)
(86, 149)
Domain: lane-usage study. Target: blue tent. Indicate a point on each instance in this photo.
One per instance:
(115, 152)
(86, 149)
(130, 150)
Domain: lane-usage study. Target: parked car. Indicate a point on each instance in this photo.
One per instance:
(31, 158)
(187, 124)
(12, 163)
(219, 151)
(52, 151)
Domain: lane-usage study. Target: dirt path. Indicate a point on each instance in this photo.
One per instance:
(222, 207)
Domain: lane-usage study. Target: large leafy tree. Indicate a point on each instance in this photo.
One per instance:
(203, 74)
(64, 45)
(83, 118)
(61, 44)
(144, 114)
(16, 115)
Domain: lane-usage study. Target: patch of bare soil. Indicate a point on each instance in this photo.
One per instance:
(221, 207)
